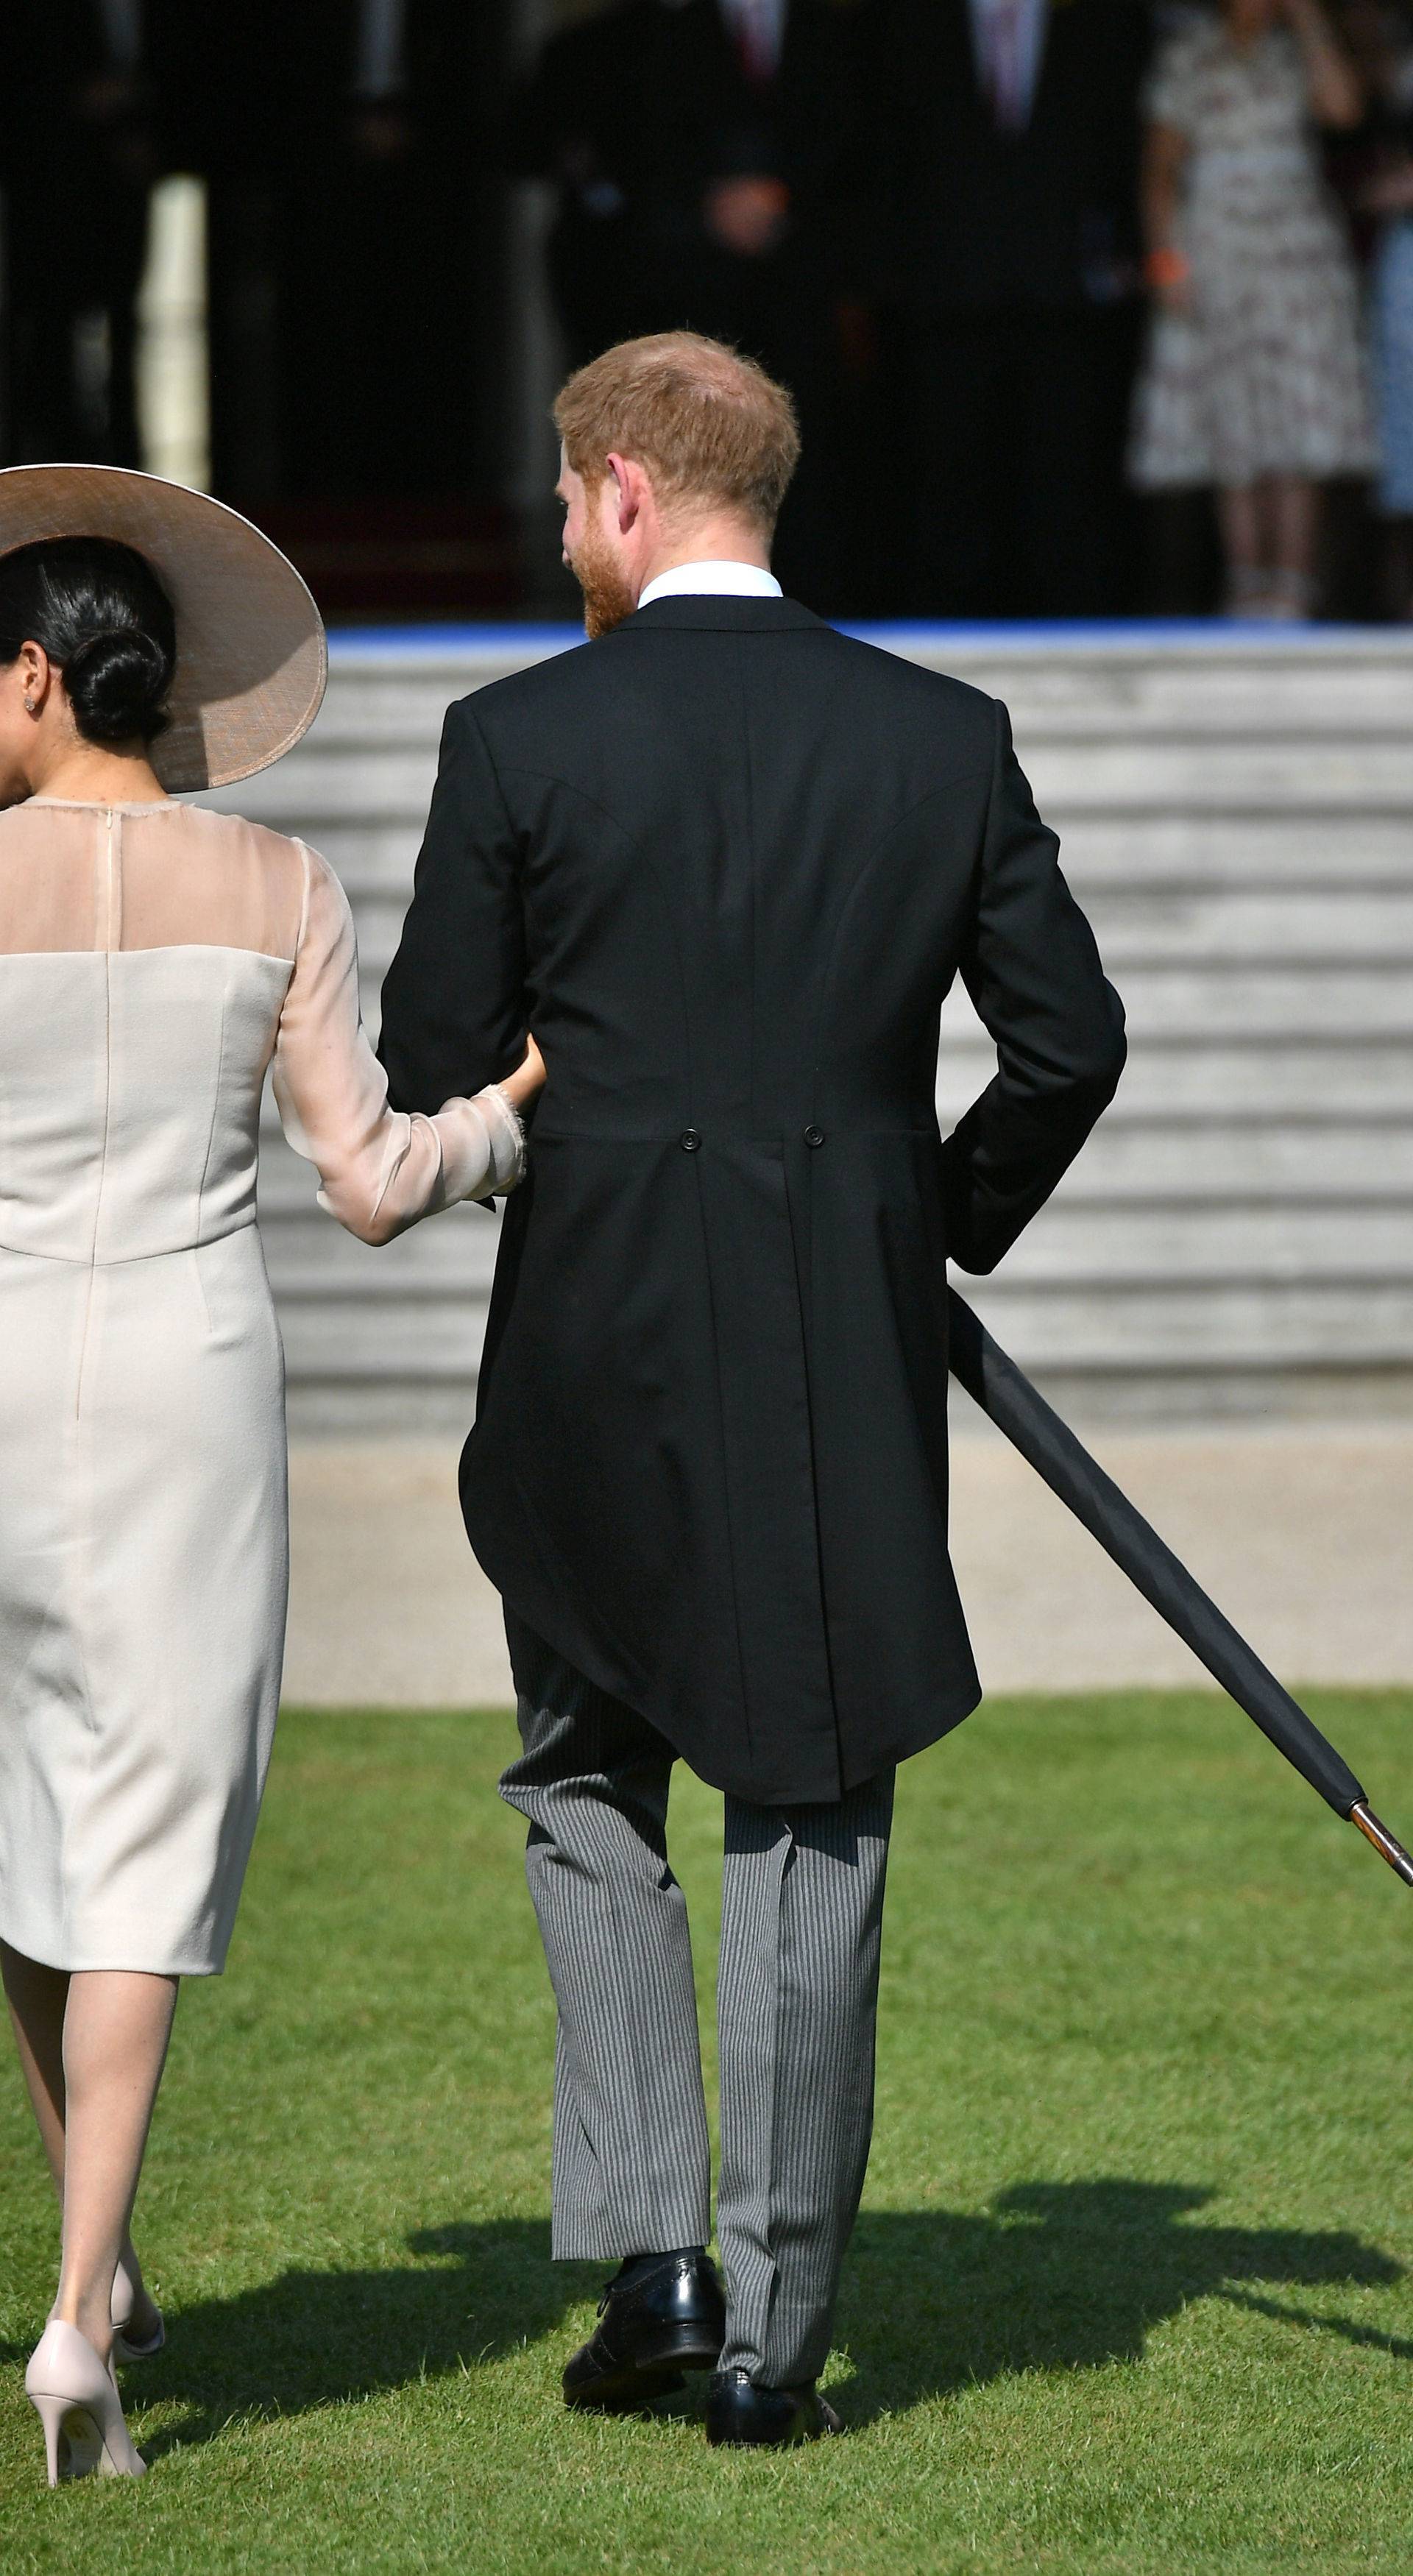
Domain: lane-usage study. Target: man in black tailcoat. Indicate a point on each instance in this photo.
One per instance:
(727, 863)
(1002, 160)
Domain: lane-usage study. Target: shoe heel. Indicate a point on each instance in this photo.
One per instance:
(679, 2347)
(50, 2411)
(72, 2452)
(74, 2395)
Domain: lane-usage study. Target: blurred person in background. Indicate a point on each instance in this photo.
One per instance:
(80, 144)
(701, 151)
(385, 285)
(1382, 35)
(345, 172)
(1002, 144)
(1254, 380)
(573, 122)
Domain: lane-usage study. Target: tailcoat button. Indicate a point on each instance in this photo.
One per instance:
(814, 1135)
(689, 1140)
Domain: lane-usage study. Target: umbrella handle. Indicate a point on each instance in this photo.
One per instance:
(1384, 1842)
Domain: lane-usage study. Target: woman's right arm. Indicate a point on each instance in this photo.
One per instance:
(1332, 85)
(1165, 151)
(379, 1169)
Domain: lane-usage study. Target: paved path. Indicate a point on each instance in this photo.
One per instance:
(1301, 1533)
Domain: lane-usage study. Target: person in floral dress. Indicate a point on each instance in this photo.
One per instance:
(1255, 377)
(1383, 30)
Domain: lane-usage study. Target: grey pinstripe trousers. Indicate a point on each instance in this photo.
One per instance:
(802, 1902)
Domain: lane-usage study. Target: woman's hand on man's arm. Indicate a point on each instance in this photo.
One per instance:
(521, 1086)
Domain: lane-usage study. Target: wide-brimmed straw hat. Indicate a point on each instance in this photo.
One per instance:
(252, 658)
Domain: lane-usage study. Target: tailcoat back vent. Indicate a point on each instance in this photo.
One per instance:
(727, 862)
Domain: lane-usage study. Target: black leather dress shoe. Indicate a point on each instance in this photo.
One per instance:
(663, 2320)
(738, 2411)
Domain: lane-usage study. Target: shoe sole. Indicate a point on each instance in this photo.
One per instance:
(655, 2374)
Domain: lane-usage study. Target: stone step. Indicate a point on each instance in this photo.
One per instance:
(310, 1256)
(1245, 1163)
(1101, 1333)
(1151, 1240)
(1282, 1003)
(1250, 774)
(1236, 813)
(1097, 776)
(1204, 1003)
(1345, 685)
(1158, 853)
(1145, 872)
(1077, 1240)
(374, 1341)
(1197, 854)
(341, 784)
(1135, 924)
(1206, 1329)
(1215, 1082)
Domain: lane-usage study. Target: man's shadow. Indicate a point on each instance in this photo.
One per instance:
(1056, 2276)
(1066, 2276)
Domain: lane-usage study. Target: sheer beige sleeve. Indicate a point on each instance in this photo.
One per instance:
(380, 1170)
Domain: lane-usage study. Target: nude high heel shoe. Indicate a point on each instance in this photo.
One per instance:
(79, 2407)
(126, 2345)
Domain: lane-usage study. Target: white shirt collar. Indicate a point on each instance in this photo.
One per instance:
(729, 580)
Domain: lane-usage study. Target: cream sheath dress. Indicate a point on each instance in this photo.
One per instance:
(154, 961)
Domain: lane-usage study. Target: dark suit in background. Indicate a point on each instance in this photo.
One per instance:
(643, 117)
(347, 202)
(727, 863)
(78, 115)
(575, 123)
(1008, 258)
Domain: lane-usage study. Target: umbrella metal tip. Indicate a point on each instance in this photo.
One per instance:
(1383, 1841)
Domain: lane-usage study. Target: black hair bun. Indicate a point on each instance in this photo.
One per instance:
(115, 682)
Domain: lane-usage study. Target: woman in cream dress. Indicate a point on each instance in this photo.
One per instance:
(155, 961)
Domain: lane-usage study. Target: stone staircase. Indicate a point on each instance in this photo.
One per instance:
(1236, 811)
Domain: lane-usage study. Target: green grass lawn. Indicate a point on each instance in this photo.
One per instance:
(1131, 2289)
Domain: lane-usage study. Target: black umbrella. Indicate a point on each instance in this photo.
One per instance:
(1002, 1390)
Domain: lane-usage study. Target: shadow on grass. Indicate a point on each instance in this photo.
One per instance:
(1057, 2276)
(312, 2339)
(1065, 2276)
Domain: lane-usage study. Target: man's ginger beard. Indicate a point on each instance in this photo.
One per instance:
(607, 597)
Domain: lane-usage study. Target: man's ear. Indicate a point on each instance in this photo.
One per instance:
(630, 490)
